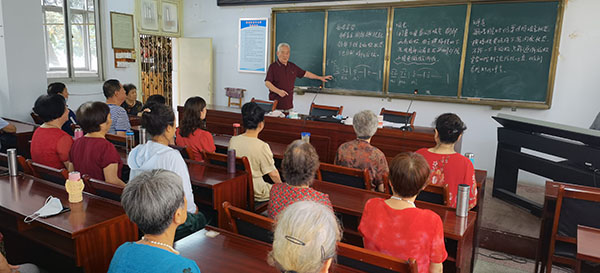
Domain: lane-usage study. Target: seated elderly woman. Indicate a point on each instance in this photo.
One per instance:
(304, 239)
(360, 154)
(155, 201)
(159, 122)
(257, 151)
(92, 154)
(50, 145)
(300, 163)
(61, 89)
(396, 227)
(131, 104)
(447, 166)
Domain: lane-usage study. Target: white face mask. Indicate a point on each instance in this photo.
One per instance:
(52, 206)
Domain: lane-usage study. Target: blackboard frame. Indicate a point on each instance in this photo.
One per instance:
(494, 103)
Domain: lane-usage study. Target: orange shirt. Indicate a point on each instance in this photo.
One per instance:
(50, 147)
(200, 140)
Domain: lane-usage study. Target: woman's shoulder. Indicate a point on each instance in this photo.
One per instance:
(429, 216)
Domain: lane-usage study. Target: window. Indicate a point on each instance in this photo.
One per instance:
(71, 38)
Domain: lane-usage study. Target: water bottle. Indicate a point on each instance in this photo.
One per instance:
(471, 156)
(305, 136)
(231, 161)
(12, 162)
(462, 200)
(143, 136)
(236, 129)
(129, 141)
(74, 186)
(78, 133)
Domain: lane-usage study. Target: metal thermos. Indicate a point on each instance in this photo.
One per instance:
(471, 156)
(143, 137)
(231, 161)
(12, 162)
(236, 129)
(129, 141)
(462, 200)
(305, 136)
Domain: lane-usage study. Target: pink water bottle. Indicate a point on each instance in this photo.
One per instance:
(78, 133)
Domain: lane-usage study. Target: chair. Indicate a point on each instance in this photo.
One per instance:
(101, 188)
(324, 110)
(234, 93)
(36, 118)
(259, 227)
(185, 151)
(249, 224)
(266, 105)
(58, 176)
(21, 163)
(345, 176)
(573, 207)
(372, 261)
(437, 194)
(241, 163)
(116, 139)
(398, 117)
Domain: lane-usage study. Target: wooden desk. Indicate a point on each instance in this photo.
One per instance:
(90, 233)
(213, 185)
(588, 240)
(326, 137)
(23, 134)
(457, 230)
(229, 252)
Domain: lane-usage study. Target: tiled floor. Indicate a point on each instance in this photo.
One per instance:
(486, 264)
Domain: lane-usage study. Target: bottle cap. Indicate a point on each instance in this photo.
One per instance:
(236, 125)
(129, 133)
(74, 176)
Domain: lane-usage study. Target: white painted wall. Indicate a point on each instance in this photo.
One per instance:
(22, 68)
(576, 91)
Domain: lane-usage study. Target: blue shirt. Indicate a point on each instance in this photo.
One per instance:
(133, 257)
(120, 119)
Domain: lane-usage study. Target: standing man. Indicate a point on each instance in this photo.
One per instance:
(115, 96)
(281, 77)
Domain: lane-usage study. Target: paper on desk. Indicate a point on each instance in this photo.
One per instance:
(393, 124)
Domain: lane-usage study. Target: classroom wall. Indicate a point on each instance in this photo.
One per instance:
(22, 63)
(576, 91)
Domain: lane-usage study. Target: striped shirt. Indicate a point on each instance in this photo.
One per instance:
(120, 119)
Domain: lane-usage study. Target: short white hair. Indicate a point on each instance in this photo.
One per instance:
(280, 45)
(365, 124)
(305, 237)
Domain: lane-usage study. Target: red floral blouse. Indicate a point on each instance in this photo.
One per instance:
(283, 195)
(360, 154)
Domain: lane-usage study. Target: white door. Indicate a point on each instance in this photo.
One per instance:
(192, 69)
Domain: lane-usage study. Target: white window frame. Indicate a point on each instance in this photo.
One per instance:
(73, 74)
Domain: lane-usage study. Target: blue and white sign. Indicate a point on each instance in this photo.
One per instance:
(252, 48)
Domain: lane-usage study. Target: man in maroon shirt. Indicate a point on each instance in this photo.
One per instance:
(281, 77)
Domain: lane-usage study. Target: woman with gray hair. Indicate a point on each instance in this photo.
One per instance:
(360, 154)
(155, 201)
(305, 238)
(300, 163)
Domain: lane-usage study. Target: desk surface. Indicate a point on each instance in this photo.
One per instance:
(207, 175)
(22, 127)
(229, 252)
(352, 201)
(23, 195)
(588, 240)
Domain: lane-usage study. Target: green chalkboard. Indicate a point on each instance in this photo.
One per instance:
(500, 53)
(509, 51)
(426, 54)
(304, 32)
(356, 49)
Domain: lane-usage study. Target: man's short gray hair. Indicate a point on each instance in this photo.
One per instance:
(300, 163)
(280, 45)
(151, 199)
(365, 124)
(305, 236)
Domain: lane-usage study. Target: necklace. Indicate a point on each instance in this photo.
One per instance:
(160, 244)
(401, 199)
